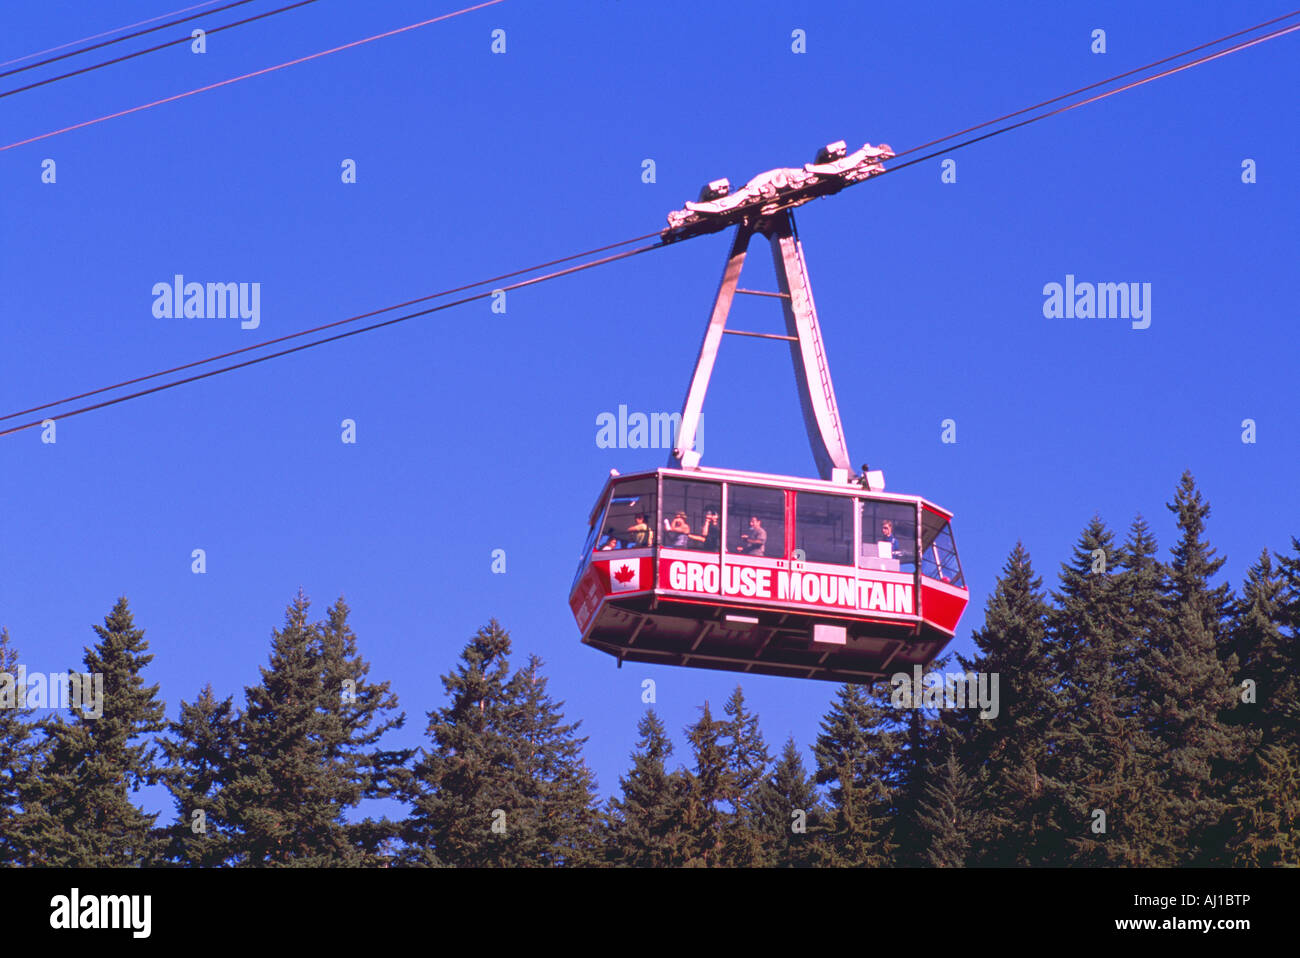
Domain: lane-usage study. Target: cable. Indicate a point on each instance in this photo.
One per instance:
(329, 339)
(1093, 99)
(1092, 86)
(107, 43)
(108, 33)
(246, 76)
(589, 265)
(317, 329)
(160, 46)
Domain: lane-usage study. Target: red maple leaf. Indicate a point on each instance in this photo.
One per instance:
(624, 574)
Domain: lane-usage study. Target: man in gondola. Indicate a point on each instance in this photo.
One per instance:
(754, 542)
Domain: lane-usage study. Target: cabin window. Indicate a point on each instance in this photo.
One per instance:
(888, 536)
(823, 528)
(629, 521)
(756, 521)
(938, 551)
(692, 516)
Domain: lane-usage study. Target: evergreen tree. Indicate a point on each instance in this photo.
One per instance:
(708, 788)
(946, 815)
(1189, 679)
(553, 818)
(199, 757)
(1136, 821)
(1098, 745)
(747, 762)
(853, 752)
(458, 786)
(1264, 817)
(306, 750)
(790, 840)
(502, 782)
(77, 808)
(911, 770)
(20, 753)
(358, 714)
(1009, 755)
(645, 827)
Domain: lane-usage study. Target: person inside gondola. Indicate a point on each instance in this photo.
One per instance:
(754, 542)
(639, 532)
(708, 537)
(887, 535)
(677, 531)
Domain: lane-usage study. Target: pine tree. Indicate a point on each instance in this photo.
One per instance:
(853, 753)
(1097, 744)
(358, 714)
(553, 819)
(709, 786)
(306, 751)
(1264, 814)
(1191, 690)
(200, 754)
(77, 806)
(788, 814)
(502, 782)
(20, 753)
(747, 762)
(645, 827)
(1009, 755)
(946, 815)
(911, 770)
(1137, 820)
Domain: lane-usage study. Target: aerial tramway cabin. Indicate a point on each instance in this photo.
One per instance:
(772, 575)
(830, 578)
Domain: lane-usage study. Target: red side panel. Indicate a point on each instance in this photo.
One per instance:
(941, 604)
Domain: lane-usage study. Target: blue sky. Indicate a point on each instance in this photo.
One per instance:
(477, 431)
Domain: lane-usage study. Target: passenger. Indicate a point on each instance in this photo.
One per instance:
(754, 542)
(887, 535)
(641, 534)
(677, 532)
(610, 542)
(710, 535)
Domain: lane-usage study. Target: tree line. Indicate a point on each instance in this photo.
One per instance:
(1147, 716)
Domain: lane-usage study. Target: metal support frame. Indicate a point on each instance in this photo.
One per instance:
(807, 351)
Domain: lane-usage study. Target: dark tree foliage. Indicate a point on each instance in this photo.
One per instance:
(747, 762)
(20, 753)
(788, 813)
(502, 782)
(945, 815)
(307, 751)
(853, 753)
(1263, 822)
(1010, 754)
(1099, 748)
(909, 769)
(645, 827)
(199, 754)
(1189, 688)
(554, 816)
(709, 786)
(77, 806)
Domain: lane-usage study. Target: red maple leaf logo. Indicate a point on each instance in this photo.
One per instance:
(624, 574)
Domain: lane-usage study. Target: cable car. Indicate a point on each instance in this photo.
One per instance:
(830, 578)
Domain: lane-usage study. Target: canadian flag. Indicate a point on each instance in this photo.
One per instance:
(625, 575)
